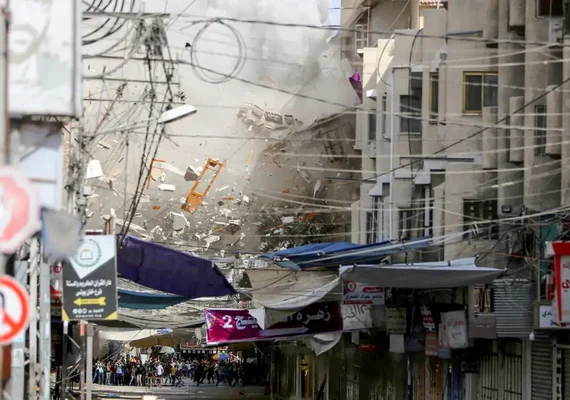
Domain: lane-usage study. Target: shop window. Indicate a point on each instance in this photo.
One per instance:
(549, 8)
(361, 33)
(411, 114)
(479, 90)
(433, 97)
(480, 219)
(540, 131)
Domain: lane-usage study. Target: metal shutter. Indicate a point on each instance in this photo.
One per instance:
(437, 373)
(322, 375)
(455, 386)
(541, 369)
(566, 386)
(513, 305)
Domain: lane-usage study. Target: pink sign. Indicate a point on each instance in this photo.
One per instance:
(234, 325)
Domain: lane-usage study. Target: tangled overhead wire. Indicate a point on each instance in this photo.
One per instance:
(111, 25)
(203, 73)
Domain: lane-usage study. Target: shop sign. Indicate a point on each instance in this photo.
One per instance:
(427, 318)
(431, 343)
(356, 316)
(562, 292)
(90, 280)
(455, 329)
(396, 320)
(546, 319)
(368, 348)
(483, 326)
(360, 293)
(235, 325)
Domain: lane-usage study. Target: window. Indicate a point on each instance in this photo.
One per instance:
(372, 125)
(540, 132)
(384, 110)
(480, 219)
(549, 8)
(412, 106)
(479, 90)
(372, 225)
(433, 97)
(508, 138)
(404, 224)
(361, 33)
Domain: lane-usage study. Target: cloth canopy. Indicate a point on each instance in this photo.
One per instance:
(446, 274)
(278, 294)
(131, 319)
(125, 335)
(148, 301)
(171, 271)
(169, 340)
(341, 253)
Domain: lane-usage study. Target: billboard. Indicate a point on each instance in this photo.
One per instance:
(235, 325)
(44, 43)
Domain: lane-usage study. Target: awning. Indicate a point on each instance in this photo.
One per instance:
(278, 294)
(341, 253)
(148, 301)
(169, 340)
(446, 274)
(130, 319)
(171, 271)
(125, 335)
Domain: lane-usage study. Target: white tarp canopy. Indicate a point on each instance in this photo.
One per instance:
(433, 275)
(125, 335)
(277, 294)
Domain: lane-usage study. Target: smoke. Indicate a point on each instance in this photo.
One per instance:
(282, 70)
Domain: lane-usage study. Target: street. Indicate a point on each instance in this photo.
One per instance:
(189, 391)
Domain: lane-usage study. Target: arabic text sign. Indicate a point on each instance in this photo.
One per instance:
(455, 328)
(359, 293)
(90, 280)
(235, 325)
(562, 267)
(545, 319)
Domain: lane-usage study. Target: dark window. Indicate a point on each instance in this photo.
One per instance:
(540, 132)
(433, 96)
(508, 138)
(550, 8)
(412, 106)
(372, 125)
(384, 110)
(480, 219)
(371, 227)
(480, 90)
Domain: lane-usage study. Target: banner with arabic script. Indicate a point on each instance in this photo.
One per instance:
(234, 325)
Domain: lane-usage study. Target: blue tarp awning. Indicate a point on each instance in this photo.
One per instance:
(171, 271)
(341, 253)
(148, 301)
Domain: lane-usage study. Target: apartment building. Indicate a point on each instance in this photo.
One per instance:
(462, 132)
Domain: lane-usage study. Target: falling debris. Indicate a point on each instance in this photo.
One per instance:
(191, 174)
(228, 198)
(222, 188)
(288, 220)
(94, 169)
(317, 188)
(179, 221)
(165, 187)
(304, 174)
(156, 208)
(195, 198)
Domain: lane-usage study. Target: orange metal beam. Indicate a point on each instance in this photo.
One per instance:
(194, 199)
(148, 179)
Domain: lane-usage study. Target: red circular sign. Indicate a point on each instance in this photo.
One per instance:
(20, 211)
(14, 311)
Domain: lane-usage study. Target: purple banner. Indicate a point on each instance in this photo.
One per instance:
(234, 325)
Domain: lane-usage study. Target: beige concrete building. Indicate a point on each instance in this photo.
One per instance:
(462, 121)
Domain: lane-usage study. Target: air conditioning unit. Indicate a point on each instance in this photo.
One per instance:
(555, 31)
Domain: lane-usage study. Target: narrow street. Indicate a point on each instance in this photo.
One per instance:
(189, 391)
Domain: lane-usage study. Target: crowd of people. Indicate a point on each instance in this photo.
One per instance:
(170, 371)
